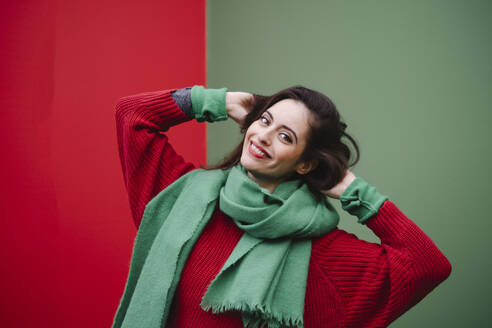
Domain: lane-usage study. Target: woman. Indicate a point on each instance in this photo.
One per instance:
(253, 241)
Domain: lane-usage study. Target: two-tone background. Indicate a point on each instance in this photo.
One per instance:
(412, 79)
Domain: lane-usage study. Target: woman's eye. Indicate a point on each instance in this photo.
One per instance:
(285, 137)
(263, 120)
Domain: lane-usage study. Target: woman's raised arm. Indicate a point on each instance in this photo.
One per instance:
(148, 161)
(379, 282)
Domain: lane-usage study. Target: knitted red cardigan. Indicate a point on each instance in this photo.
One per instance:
(351, 282)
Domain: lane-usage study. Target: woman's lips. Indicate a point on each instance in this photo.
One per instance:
(257, 151)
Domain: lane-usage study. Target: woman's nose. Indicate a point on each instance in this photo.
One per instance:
(264, 137)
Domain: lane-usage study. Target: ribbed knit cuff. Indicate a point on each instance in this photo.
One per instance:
(362, 200)
(208, 104)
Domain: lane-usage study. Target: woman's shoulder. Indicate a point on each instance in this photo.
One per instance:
(335, 236)
(343, 259)
(340, 245)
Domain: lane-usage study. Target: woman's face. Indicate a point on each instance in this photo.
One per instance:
(274, 143)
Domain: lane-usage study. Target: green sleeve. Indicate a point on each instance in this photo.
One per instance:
(208, 104)
(362, 200)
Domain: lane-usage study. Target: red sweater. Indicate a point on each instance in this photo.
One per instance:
(351, 282)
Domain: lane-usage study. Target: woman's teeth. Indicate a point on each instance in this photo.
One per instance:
(256, 150)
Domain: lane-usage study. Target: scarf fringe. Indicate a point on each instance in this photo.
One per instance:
(258, 315)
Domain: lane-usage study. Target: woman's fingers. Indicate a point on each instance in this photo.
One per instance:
(338, 189)
(238, 105)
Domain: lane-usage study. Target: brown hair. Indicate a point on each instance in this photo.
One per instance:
(324, 142)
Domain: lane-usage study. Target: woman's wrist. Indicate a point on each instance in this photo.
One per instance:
(208, 104)
(361, 199)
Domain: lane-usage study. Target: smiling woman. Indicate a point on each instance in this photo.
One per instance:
(293, 134)
(253, 242)
(272, 148)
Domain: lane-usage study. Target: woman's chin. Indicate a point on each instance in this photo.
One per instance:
(246, 163)
(250, 163)
(252, 167)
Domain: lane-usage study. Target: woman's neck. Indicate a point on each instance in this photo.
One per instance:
(270, 185)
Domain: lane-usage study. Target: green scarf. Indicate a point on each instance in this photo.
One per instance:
(264, 277)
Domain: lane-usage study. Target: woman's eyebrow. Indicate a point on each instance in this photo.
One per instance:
(284, 126)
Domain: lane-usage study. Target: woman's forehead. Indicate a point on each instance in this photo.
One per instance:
(291, 113)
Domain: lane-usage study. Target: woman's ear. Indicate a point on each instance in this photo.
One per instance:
(306, 167)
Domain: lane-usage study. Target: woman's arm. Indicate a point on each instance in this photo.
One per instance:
(148, 161)
(379, 282)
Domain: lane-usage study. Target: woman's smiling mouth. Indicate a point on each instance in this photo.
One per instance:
(257, 151)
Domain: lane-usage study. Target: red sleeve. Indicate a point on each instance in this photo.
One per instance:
(379, 282)
(148, 161)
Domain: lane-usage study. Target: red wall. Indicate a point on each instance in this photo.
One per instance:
(66, 230)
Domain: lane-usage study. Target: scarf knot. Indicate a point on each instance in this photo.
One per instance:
(291, 211)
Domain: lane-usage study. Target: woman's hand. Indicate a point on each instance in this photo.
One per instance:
(338, 190)
(238, 105)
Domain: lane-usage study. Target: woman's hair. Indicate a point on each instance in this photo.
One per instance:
(324, 142)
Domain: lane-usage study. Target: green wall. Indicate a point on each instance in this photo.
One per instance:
(412, 79)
